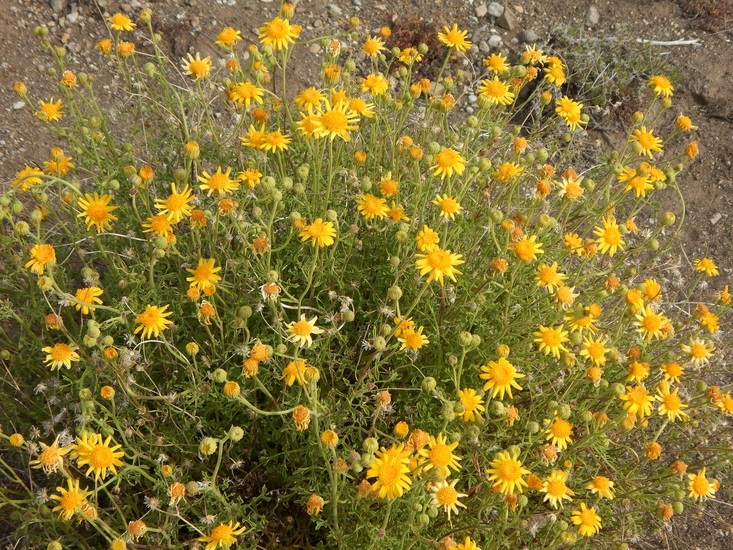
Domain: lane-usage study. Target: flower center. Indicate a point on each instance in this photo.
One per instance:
(389, 474)
(439, 260)
(446, 496)
(218, 181)
(561, 429)
(447, 158)
(278, 29)
(101, 456)
(510, 471)
(652, 323)
(440, 455)
(316, 230)
(612, 236)
(72, 501)
(551, 338)
(221, 533)
(302, 328)
(97, 212)
(199, 68)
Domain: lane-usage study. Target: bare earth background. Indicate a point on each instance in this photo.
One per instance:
(705, 93)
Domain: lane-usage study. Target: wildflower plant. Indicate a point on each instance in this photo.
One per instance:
(345, 306)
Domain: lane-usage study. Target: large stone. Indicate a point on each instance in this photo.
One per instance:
(592, 17)
(495, 41)
(59, 5)
(481, 10)
(528, 36)
(495, 9)
(508, 20)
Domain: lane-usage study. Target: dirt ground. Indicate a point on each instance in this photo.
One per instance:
(705, 93)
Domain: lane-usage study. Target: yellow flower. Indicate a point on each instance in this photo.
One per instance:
(310, 98)
(594, 350)
(41, 256)
(496, 63)
(205, 274)
(447, 162)
(446, 496)
(244, 93)
(51, 457)
(645, 142)
(548, 276)
(700, 486)
(126, 49)
(315, 504)
(587, 520)
(412, 339)
(160, 225)
(197, 68)
(551, 339)
(375, 84)
(70, 500)
(227, 37)
(97, 211)
(706, 266)
(438, 263)
(320, 233)
(51, 111)
(153, 320)
(387, 186)
(90, 296)
(507, 473)
(396, 213)
(609, 236)
(601, 486)
(278, 34)
(670, 403)
(454, 38)
(699, 351)
(555, 488)
(120, 22)
(224, 535)
(294, 372)
(570, 112)
(300, 332)
(255, 138)
(218, 181)
(635, 181)
(449, 206)
(275, 141)
(501, 376)
(507, 171)
(650, 324)
(661, 86)
(60, 355)
(439, 456)
(93, 451)
(495, 92)
(373, 46)
(27, 177)
(554, 74)
(335, 121)
(391, 468)
(637, 401)
(177, 205)
(527, 248)
(472, 404)
(559, 433)
(427, 239)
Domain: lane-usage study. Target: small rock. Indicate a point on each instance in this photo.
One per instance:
(314, 48)
(472, 98)
(59, 5)
(507, 20)
(481, 10)
(518, 9)
(715, 219)
(73, 17)
(127, 8)
(134, 4)
(484, 47)
(495, 40)
(528, 37)
(469, 110)
(592, 16)
(495, 9)
(356, 2)
(335, 10)
(18, 105)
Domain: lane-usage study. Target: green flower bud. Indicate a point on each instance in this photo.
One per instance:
(424, 518)
(93, 332)
(236, 433)
(587, 416)
(54, 545)
(357, 467)
(434, 148)
(533, 427)
(385, 329)
(394, 292)
(617, 388)
(350, 66)
(303, 171)
(281, 349)
(268, 183)
(564, 411)
(678, 507)
(542, 154)
(701, 386)
(365, 184)
(530, 158)
(85, 394)
(370, 445)
(668, 218)
(287, 183)
(192, 488)
(219, 376)
(475, 340)
(348, 316)
(562, 525)
(257, 212)
(496, 215)
(429, 384)
(522, 501)
(5, 354)
(107, 341)
(637, 117)
(22, 228)
(654, 244)
(576, 338)
(498, 408)
(299, 188)
(472, 121)
(465, 338)
(17, 207)
(36, 216)
(380, 344)
(459, 408)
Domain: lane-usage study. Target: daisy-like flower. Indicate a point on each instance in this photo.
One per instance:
(559, 433)
(373, 46)
(27, 177)
(473, 404)
(301, 332)
(609, 236)
(251, 176)
(467, 544)
(218, 182)
(227, 37)
(587, 520)
(205, 274)
(278, 34)
(160, 225)
(224, 535)
(496, 63)
(571, 112)
(601, 486)
(196, 68)
(244, 93)
(388, 186)
(153, 320)
(551, 340)
(594, 350)
(375, 84)
(446, 496)
(90, 296)
(275, 141)
(177, 205)
(99, 454)
(706, 266)
(396, 213)
(254, 138)
(438, 263)
(41, 256)
(501, 376)
(638, 183)
(670, 404)
(448, 162)
(319, 233)
(507, 473)
(661, 86)
(555, 488)
(59, 164)
(495, 92)
(51, 457)
(391, 468)
(412, 339)
(549, 276)
(650, 324)
(554, 74)
(645, 142)
(335, 121)
(120, 22)
(310, 98)
(427, 239)
(699, 351)
(439, 456)
(449, 206)
(700, 486)
(126, 49)
(454, 38)
(507, 171)
(97, 211)
(570, 188)
(70, 499)
(60, 355)
(637, 401)
(293, 372)
(672, 371)
(527, 248)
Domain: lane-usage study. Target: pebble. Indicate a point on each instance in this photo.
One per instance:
(472, 98)
(335, 10)
(58, 5)
(518, 9)
(18, 105)
(592, 17)
(528, 37)
(484, 47)
(495, 40)
(73, 17)
(495, 9)
(507, 20)
(356, 2)
(314, 48)
(469, 110)
(715, 219)
(481, 10)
